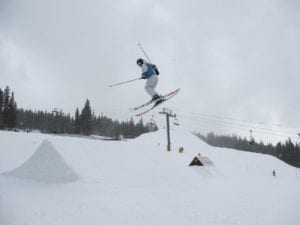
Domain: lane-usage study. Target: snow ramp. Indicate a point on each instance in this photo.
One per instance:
(45, 165)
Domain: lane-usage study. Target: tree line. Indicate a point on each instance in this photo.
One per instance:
(287, 151)
(8, 109)
(84, 122)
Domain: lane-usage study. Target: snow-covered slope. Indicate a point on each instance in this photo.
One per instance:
(139, 182)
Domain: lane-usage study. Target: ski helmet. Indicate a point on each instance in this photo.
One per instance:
(140, 62)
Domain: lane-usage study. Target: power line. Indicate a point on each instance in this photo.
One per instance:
(238, 120)
(239, 124)
(246, 128)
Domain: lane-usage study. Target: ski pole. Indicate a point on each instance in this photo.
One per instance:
(144, 53)
(112, 85)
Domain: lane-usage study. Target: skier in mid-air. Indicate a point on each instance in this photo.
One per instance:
(150, 72)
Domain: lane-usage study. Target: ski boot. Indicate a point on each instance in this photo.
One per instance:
(157, 99)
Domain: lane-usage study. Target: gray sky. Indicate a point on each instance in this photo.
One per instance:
(235, 61)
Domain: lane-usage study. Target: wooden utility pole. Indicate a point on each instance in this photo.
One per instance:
(168, 114)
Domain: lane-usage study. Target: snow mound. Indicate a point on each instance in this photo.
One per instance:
(45, 165)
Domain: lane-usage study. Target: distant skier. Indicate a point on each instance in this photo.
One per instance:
(150, 72)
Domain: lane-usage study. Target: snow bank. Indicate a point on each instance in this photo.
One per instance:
(45, 165)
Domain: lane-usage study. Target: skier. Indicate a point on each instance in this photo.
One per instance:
(150, 72)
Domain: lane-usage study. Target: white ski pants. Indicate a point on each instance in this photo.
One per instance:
(151, 85)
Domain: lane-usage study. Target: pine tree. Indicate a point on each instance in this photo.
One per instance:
(140, 128)
(86, 119)
(77, 122)
(1, 108)
(6, 98)
(12, 112)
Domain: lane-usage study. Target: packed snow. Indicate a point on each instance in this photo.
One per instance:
(60, 180)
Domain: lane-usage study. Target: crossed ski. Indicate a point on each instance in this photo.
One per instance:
(164, 98)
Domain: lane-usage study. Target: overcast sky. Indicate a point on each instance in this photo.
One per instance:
(235, 61)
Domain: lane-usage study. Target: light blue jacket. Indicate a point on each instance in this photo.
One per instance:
(148, 70)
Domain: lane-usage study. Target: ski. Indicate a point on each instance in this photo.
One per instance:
(154, 101)
(143, 105)
(165, 98)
